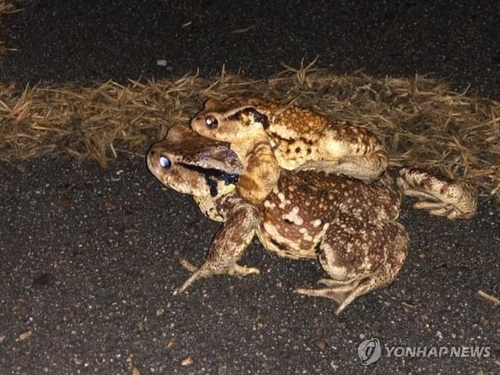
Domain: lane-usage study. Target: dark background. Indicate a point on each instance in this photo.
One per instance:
(99, 40)
(88, 256)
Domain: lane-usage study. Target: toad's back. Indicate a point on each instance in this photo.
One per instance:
(300, 209)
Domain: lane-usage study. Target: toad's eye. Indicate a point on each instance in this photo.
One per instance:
(211, 122)
(165, 162)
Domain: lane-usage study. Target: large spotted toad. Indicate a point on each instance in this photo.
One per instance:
(348, 225)
(268, 136)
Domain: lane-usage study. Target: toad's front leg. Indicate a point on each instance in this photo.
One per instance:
(230, 242)
(262, 171)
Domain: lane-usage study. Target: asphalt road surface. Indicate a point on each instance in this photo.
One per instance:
(89, 256)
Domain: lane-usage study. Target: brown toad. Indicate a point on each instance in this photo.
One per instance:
(348, 225)
(267, 135)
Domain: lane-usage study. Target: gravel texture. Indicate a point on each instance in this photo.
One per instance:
(89, 256)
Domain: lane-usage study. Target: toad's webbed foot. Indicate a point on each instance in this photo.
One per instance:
(342, 294)
(440, 196)
(208, 270)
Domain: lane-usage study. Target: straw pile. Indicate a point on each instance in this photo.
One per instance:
(421, 122)
(8, 6)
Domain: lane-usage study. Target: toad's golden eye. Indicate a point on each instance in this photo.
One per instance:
(211, 122)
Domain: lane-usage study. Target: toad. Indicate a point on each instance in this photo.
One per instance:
(349, 226)
(268, 136)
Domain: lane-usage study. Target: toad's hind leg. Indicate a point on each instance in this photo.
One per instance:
(440, 196)
(356, 151)
(359, 259)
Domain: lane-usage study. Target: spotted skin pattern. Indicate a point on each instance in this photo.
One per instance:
(268, 136)
(349, 226)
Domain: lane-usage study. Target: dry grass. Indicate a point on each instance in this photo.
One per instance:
(420, 121)
(8, 6)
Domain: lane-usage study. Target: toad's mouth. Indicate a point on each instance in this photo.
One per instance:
(212, 175)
